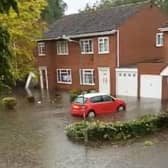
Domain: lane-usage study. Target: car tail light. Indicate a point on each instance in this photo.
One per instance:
(76, 107)
(81, 107)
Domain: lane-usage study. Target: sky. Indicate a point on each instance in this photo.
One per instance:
(75, 5)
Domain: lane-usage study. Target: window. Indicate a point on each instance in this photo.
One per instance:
(159, 39)
(103, 45)
(87, 76)
(86, 46)
(64, 76)
(62, 47)
(107, 98)
(96, 99)
(80, 100)
(41, 49)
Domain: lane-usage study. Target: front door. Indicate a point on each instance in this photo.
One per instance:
(104, 80)
(43, 78)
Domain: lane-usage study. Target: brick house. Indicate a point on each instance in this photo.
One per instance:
(105, 50)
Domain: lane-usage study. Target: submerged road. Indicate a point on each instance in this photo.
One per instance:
(33, 137)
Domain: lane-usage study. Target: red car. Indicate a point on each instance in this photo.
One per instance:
(93, 104)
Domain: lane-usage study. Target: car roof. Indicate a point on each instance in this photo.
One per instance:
(89, 95)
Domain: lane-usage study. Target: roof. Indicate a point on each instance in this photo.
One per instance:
(91, 22)
(164, 28)
(89, 95)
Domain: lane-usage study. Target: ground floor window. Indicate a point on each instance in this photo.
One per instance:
(87, 77)
(64, 76)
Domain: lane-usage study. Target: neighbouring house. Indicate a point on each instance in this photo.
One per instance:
(107, 50)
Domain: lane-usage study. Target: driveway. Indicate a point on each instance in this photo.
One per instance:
(33, 137)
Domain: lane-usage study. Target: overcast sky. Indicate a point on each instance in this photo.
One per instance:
(75, 5)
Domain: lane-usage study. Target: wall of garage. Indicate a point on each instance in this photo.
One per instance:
(150, 73)
(165, 88)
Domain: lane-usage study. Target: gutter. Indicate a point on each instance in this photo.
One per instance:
(79, 35)
(165, 29)
(118, 48)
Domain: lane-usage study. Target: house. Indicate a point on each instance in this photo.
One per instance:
(105, 50)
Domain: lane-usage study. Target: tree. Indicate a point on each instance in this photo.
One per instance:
(54, 10)
(24, 30)
(5, 6)
(6, 77)
(105, 4)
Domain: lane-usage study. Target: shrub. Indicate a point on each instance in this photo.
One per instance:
(31, 99)
(97, 130)
(74, 94)
(9, 102)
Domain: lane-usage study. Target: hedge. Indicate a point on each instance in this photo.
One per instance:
(9, 102)
(100, 131)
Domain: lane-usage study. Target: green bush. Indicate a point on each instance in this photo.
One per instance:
(31, 99)
(74, 94)
(97, 130)
(9, 102)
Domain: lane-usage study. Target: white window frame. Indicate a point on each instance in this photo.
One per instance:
(62, 47)
(159, 39)
(83, 47)
(102, 40)
(82, 73)
(41, 49)
(67, 73)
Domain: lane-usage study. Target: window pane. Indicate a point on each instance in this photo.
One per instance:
(64, 76)
(96, 99)
(80, 99)
(62, 47)
(86, 77)
(41, 48)
(103, 45)
(86, 46)
(107, 98)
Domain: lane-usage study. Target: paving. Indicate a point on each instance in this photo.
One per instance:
(33, 136)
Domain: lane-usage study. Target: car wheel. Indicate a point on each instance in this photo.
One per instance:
(121, 108)
(91, 114)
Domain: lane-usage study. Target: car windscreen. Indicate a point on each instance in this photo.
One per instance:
(80, 100)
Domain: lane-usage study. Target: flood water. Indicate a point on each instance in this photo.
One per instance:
(33, 136)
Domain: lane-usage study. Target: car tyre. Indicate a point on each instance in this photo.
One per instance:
(121, 108)
(91, 114)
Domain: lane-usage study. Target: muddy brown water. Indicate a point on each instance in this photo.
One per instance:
(33, 136)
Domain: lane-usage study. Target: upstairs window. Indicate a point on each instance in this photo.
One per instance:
(62, 47)
(103, 45)
(64, 76)
(159, 39)
(41, 49)
(86, 46)
(87, 76)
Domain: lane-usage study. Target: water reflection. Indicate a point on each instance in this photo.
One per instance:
(33, 137)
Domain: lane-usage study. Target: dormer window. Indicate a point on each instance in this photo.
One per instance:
(159, 39)
(41, 49)
(62, 47)
(86, 46)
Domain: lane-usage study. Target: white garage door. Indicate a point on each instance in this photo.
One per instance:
(151, 86)
(126, 82)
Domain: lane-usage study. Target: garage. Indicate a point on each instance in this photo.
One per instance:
(127, 82)
(151, 86)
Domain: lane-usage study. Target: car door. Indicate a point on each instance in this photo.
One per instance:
(97, 104)
(109, 104)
